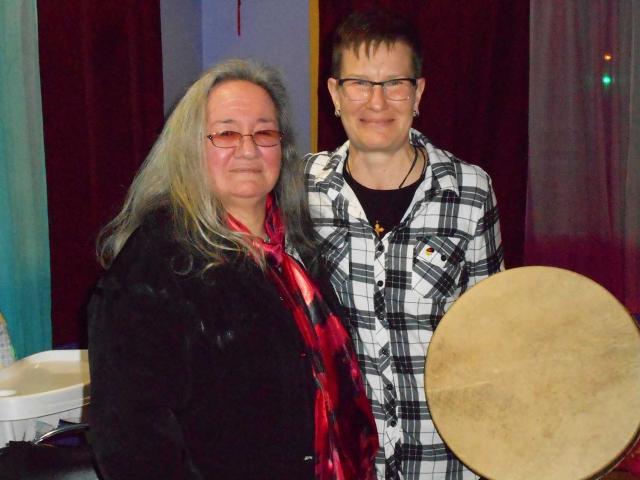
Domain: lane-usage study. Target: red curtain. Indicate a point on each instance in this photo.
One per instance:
(101, 80)
(475, 103)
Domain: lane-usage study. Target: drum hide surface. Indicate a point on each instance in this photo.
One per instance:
(534, 373)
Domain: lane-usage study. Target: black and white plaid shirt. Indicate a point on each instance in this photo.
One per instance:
(396, 289)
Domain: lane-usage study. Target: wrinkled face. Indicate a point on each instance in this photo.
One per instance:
(377, 124)
(241, 176)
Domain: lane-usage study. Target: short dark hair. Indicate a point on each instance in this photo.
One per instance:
(372, 28)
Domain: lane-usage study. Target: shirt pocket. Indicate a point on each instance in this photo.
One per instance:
(437, 266)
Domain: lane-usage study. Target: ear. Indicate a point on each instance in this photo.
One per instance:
(332, 85)
(420, 84)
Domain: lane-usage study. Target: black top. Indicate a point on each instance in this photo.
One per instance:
(384, 208)
(196, 376)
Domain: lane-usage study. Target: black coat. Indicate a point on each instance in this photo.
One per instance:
(196, 376)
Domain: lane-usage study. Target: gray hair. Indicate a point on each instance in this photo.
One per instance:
(174, 176)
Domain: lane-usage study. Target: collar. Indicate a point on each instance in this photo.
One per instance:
(441, 168)
(440, 174)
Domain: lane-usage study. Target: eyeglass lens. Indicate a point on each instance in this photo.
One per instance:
(398, 89)
(230, 139)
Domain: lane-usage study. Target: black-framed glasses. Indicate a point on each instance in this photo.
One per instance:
(231, 139)
(359, 90)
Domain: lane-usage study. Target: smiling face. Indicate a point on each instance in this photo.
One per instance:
(377, 125)
(241, 177)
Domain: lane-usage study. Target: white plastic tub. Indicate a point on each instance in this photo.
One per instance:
(41, 389)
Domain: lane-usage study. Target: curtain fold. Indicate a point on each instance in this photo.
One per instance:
(25, 285)
(632, 180)
(583, 206)
(102, 100)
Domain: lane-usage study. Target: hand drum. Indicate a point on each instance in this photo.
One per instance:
(534, 373)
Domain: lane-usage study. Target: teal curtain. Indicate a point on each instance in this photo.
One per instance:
(25, 283)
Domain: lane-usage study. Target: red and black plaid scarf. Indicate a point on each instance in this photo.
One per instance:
(346, 440)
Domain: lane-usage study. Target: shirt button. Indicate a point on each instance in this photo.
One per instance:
(380, 283)
(384, 351)
(443, 258)
(381, 248)
(393, 422)
(381, 316)
(389, 386)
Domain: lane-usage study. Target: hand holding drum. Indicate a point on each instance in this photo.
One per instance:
(534, 373)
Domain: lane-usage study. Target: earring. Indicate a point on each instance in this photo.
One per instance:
(337, 112)
(416, 113)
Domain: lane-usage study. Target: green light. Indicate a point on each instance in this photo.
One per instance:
(606, 80)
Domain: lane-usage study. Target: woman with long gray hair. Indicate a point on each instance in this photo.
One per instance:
(214, 353)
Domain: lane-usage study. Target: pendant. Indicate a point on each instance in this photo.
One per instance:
(378, 228)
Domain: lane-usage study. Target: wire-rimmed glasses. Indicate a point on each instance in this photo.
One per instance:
(360, 90)
(231, 139)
